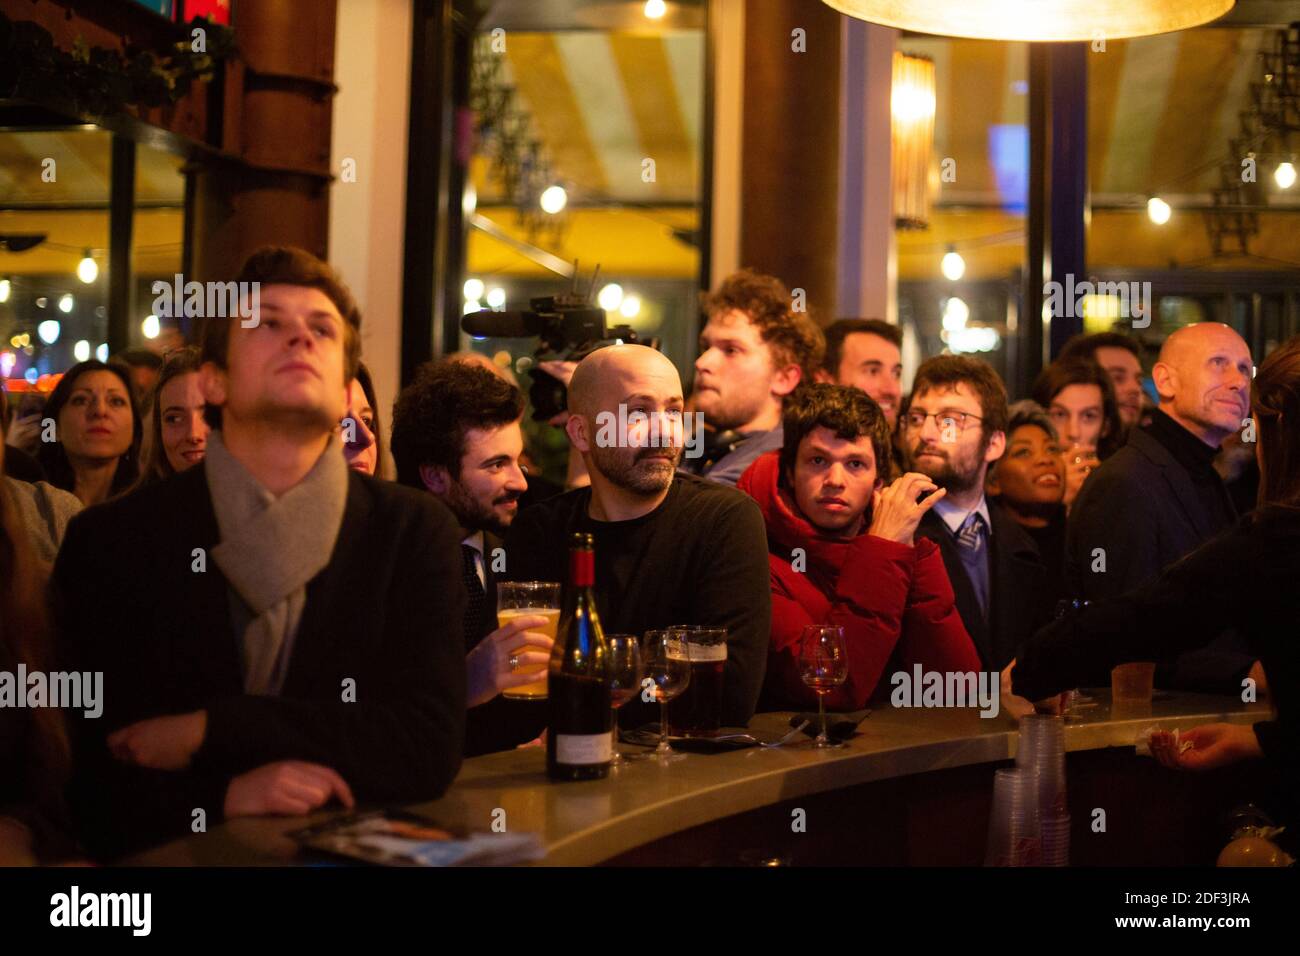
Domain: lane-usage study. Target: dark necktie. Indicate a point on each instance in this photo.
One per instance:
(477, 598)
(972, 545)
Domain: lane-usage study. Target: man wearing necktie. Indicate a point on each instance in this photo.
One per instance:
(954, 427)
(456, 434)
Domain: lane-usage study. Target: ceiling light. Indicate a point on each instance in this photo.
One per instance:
(1034, 19)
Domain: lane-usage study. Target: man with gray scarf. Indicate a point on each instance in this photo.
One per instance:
(269, 637)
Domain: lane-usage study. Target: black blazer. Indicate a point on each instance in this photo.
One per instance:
(503, 722)
(385, 613)
(1141, 509)
(1019, 596)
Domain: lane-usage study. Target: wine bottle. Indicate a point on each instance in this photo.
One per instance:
(578, 743)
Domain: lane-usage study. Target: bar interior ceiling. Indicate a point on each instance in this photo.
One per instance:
(1033, 20)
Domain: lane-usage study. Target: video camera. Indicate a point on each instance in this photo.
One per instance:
(570, 328)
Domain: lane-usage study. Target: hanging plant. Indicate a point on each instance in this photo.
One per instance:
(97, 81)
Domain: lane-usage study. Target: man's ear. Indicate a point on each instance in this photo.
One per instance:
(576, 429)
(1165, 379)
(997, 445)
(212, 383)
(824, 377)
(785, 380)
(435, 478)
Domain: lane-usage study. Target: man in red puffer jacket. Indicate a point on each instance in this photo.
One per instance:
(841, 551)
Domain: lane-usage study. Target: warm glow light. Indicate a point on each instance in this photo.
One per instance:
(473, 289)
(49, 331)
(912, 102)
(473, 305)
(1158, 210)
(469, 199)
(66, 302)
(81, 351)
(953, 265)
(496, 297)
(611, 297)
(955, 314)
(655, 9)
(631, 306)
(554, 198)
(1087, 20)
(4, 290)
(87, 269)
(150, 327)
(1284, 175)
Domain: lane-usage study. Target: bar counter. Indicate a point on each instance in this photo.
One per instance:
(912, 788)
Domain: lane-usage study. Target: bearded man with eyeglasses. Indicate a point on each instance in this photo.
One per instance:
(952, 430)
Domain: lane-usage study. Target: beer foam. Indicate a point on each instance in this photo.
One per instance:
(707, 653)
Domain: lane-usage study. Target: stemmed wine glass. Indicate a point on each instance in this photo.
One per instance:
(668, 665)
(625, 672)
(823, 663)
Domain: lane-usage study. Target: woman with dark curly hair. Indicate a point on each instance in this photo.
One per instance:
(97, 431)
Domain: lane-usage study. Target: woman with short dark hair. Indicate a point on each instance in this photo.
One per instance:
(97, 431)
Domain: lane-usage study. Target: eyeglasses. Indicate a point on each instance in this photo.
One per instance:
(942, 420)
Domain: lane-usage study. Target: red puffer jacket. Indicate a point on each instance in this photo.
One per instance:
(894, 601)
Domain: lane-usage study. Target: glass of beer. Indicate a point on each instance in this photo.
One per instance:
(524, 599)
(1132, 683)
(698, 711)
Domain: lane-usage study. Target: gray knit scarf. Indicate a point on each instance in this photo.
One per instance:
(270, 549)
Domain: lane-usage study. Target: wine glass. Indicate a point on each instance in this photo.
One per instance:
(824, 665)
(668, 666)
(625, 672)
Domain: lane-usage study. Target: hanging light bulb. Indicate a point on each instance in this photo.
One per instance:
(87, 268)
(49, 331)
(631, 306)
(655, 9)
(611, 297)
(1017, 20)
(151, 327)
(1284, 175)
(473, 289)
(953, 265)
(101, 352)
(4, 290)
(496, 297)
(554, 198)
(1158, 210)
(66, 302)
(81, 351)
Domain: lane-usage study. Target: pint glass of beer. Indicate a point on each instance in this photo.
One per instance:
(524, 599)
(698, 711)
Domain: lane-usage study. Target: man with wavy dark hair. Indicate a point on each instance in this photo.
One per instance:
(842, 550)
(456, 434)
(754, 350)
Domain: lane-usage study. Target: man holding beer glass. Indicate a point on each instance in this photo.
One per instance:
(456, 434)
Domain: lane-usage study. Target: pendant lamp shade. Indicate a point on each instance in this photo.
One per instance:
(1064, 20)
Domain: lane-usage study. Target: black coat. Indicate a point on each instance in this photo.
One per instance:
(1244, 578)
(385, 612)
(1141, 509)
(1019, 597)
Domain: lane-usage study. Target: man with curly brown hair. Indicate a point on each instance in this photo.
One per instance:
(754, 350)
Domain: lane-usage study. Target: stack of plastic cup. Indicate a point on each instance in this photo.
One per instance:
(1055, 843)
(1042, 748)
(1013, 822)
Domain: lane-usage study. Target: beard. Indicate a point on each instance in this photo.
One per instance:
(955, 475)
(474, 515)
(725, 414)
(638, 470)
